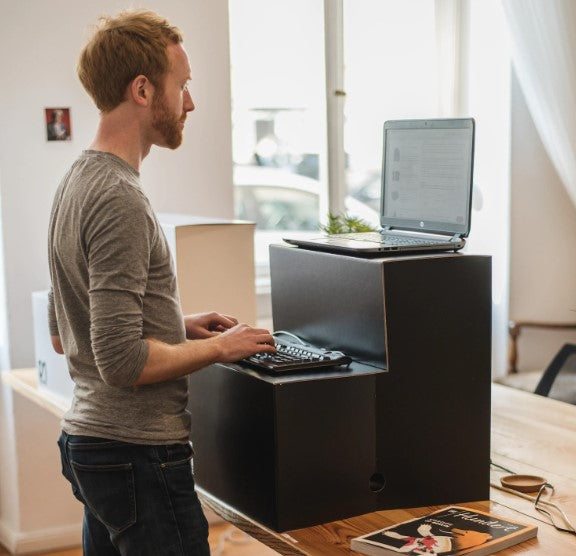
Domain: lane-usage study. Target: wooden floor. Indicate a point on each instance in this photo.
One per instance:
(225, 540)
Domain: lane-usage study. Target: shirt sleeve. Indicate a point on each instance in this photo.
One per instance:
(119, 235)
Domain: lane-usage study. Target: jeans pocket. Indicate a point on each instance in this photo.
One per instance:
(178, 480)
(109, 493)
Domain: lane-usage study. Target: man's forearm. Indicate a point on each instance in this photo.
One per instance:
(167, 362)
(171, 361)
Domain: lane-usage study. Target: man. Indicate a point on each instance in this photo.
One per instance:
(114, 307)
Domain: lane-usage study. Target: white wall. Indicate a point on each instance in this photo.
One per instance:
(542, 242)
(9, 500)
(39, 45)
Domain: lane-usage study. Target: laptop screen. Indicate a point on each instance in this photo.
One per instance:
(427, 175)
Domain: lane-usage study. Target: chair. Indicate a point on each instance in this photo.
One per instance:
(559, 379)
(529, 380)
(516, 327)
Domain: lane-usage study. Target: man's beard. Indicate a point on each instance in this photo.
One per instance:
(165, 123)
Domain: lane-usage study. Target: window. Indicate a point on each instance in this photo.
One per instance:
(389, 73)
(278, 115)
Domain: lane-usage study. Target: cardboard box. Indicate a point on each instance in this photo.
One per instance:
(214, 264)
(406, 425)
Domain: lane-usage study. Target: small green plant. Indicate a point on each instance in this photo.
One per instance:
(344, 224)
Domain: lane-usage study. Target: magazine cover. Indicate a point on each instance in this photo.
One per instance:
(451, 531)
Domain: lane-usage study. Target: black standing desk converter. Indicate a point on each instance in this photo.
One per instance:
(407, 424)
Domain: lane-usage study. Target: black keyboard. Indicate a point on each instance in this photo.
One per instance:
(296, 357)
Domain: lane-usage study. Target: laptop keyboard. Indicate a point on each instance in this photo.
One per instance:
(296, 357)
(392, 239)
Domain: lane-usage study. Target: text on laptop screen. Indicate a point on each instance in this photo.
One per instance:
(427, 176)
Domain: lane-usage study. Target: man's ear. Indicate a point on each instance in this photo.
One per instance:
(141, 90)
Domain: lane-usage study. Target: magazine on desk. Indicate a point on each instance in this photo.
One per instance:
(454, 530)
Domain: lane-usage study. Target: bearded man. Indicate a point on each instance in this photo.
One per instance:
(114, 306)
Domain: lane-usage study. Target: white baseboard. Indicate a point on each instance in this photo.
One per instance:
(19, 542)
(56, 538)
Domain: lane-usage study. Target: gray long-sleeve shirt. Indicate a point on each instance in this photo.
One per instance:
(113, 285)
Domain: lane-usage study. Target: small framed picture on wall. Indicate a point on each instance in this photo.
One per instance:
(58, 124)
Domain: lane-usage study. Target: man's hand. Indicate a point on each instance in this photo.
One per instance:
(57, 344)
(242, 341)
(170, 361)
(206, 325)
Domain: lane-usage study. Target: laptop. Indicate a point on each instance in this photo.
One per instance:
(427, 168)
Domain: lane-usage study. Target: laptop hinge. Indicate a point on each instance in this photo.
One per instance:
(456, 238)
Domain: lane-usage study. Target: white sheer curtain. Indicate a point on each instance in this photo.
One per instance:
(543, 43)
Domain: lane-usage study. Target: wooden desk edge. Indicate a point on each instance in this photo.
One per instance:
(25, 382)
(276, 541)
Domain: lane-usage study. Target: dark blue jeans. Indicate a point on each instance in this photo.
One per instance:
(138, 500)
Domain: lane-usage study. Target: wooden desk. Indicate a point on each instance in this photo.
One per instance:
(25, 382)
(530, 434)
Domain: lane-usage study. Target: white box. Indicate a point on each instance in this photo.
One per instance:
(52, 368)
(214, 262)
